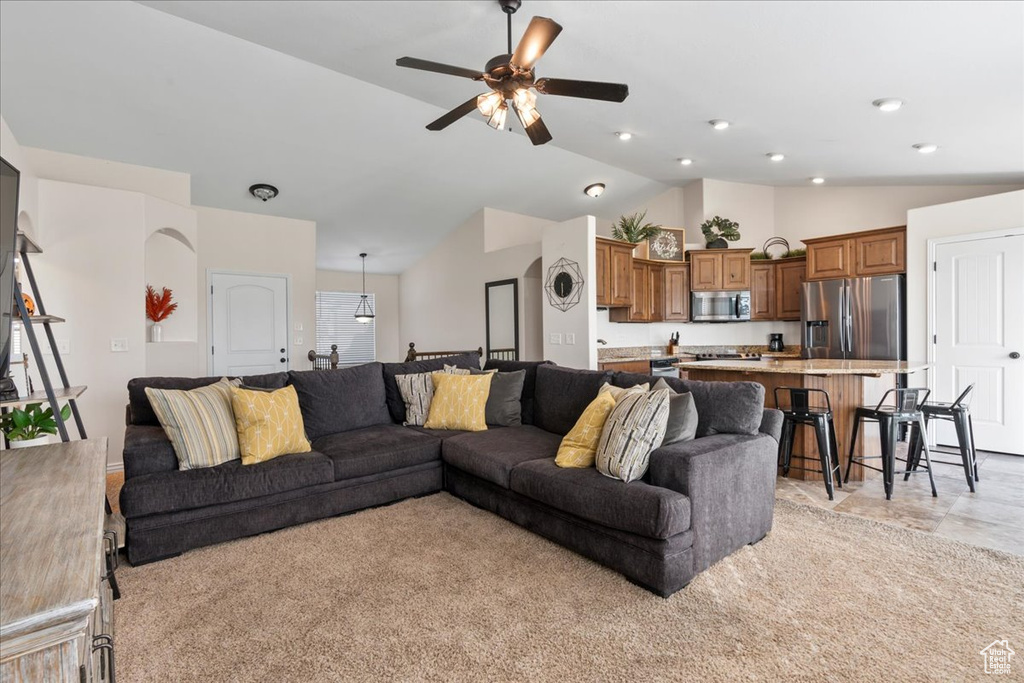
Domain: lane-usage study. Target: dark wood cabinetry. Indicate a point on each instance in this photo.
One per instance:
(648, 295)
(762, 290)
(858, 254)
(789, 279)
(639, 366)
(614, 266)
(713, 270)
(677, 292)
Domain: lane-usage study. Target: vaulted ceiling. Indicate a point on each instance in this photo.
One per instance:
(305, 95)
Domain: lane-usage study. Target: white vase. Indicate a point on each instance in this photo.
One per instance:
(28, 443)
(156, 333)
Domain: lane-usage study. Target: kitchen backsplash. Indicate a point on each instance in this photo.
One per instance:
(754, 333)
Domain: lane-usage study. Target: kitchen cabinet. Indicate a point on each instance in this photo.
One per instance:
(648, 295)
(641, 366)
(677, 292)
(858, 254)
(762, 290)
(715, 270)
(789, 279)
(614, 266)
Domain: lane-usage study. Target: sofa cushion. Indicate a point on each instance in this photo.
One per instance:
(491, 455)
(562, 394)
(141, 412)
(722, 407)
(146, 450)
(529, 382)
(339, 400)
(380, 448)
(161, 492)
(636, 508)
(396, 406)
(442, 434)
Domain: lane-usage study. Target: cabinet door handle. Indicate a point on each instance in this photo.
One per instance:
(110, 549)
(106, 644)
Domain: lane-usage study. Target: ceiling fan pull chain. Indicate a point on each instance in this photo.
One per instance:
(509, 15)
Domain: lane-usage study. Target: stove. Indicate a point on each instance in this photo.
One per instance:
(728, 356)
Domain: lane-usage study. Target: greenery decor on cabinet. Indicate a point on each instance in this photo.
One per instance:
(34, 422)
(632, 229)
(793, 253)
(718, 232)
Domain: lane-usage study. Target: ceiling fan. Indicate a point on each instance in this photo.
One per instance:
(511, 79)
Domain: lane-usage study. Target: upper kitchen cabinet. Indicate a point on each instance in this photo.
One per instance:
(858, 254)
(614, 265)
(677, 292)
(789, 279)
(762, 290)
(648, 295)
(714, 270)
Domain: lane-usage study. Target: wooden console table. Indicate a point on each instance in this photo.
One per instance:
(56, 618)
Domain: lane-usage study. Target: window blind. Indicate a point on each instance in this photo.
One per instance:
(336, 324)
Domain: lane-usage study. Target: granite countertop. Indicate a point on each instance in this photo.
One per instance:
(815, 366)
(634, 359)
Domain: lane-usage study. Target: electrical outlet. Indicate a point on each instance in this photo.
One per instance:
(298, 327)
(555, 338)
(298, 341)
(570, 338)
(63, 346)
(118, 344)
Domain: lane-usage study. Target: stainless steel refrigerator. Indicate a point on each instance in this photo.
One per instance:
(858, 318)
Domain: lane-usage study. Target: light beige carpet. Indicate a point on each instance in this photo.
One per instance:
(434, 589)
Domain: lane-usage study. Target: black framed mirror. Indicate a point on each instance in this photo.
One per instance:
(501, 299)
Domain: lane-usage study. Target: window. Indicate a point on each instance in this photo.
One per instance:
(336, 324)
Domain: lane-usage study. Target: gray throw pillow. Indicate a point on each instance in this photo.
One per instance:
(504, 407)
(682, 415)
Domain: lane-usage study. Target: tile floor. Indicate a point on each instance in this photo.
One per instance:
(992, 516)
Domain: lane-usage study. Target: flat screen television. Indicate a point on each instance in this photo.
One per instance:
(9, 180)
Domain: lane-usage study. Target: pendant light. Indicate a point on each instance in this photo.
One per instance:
(364, 311)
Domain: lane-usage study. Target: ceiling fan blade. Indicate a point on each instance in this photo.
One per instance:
(591, 90)
(535, 41)
(454, 115)
(437, 67)
(537, 131)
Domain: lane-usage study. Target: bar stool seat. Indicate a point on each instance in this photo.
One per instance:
(906, 409)
(801, 412)
(959, 413)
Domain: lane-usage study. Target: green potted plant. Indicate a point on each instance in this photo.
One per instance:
(632, 229)
(717, 230)
(31, 426)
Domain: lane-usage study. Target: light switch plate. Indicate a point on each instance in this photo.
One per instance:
(63, 346)
(570, 338)
(298, 327)
(118, 345)
(298, 341)
(555, 338)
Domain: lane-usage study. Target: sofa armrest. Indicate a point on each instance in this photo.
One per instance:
(730, 480)
(771, 423)
(147, 450)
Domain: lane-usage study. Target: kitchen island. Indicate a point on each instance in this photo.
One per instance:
(849, 383)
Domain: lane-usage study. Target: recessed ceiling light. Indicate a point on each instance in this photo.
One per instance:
(263, 191)
(686, 161)
(718, 124)
(595, 190)
(817, 181)
(624, 135)
(775, 156)
(925, 147)
(888, 103)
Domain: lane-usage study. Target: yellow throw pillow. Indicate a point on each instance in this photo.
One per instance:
(579, 446)
(269, 424)
(459, 402)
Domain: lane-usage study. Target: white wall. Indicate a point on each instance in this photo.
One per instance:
(386, 307)
(252, 243)
(572, 240)
(442, 294)
(997, 212)
(504, 229)
(28, 189)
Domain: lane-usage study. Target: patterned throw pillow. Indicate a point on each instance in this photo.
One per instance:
(417, 391)
(459, 402)
(269, 424)
(579, 446)
(618, 392)
(198, 422)
(634, 429)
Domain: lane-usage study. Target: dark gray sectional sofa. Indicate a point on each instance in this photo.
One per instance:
(699, 501)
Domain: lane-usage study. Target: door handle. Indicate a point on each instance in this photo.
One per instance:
(282, 350)
(284, 360)
(1014, 355)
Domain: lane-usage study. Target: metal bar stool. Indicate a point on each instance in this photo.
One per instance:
(906, 409)
(801, 412)
(959, 413)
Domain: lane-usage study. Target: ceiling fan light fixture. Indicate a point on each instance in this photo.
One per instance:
(497, 119)
(594, 190)
(488, 102)
(524, 97)
(527, 115)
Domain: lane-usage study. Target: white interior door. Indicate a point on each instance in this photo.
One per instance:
(249, 324)
(979, 337)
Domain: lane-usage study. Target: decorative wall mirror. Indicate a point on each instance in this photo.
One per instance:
(502, 301)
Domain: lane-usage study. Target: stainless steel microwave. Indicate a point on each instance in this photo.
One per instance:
(720, 307)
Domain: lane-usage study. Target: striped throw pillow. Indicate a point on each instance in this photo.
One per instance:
(199, 423)
(635, 427)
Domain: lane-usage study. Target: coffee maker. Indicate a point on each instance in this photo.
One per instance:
(775, 342)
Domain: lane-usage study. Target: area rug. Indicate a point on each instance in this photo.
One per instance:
(433, 589)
